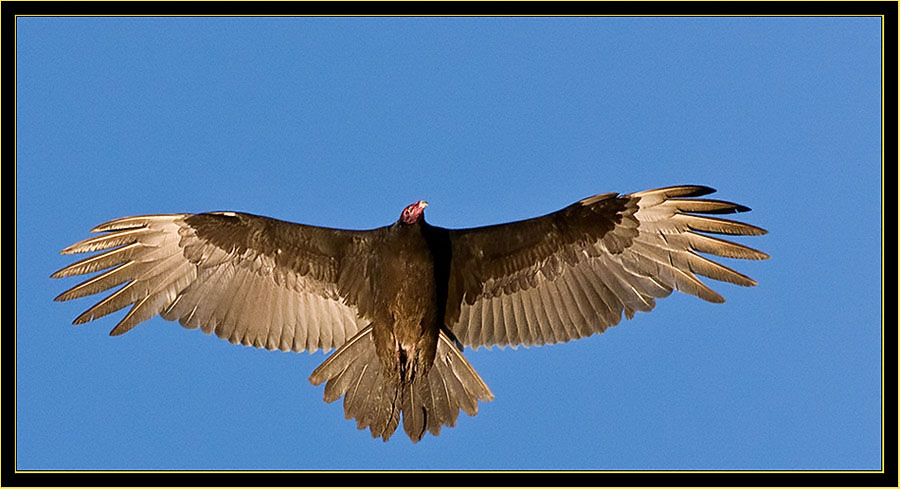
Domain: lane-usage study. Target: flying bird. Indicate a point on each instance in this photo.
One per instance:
(400, 302)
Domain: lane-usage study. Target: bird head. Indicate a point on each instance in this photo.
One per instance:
(413, 212)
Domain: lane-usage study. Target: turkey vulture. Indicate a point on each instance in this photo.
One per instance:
(400, 302)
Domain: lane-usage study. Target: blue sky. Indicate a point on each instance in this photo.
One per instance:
(342, 122)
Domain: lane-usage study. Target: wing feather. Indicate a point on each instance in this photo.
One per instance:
(92, 264)
(105, 281)
(574, 272)
(97, 243)
(487, 322)
(508, 328)
(572, 317)
(592, 304)
(232, 307)
(249, 279)
(303, 323)
(518, 313)
(313, 324)
(555, 322)
(531, 318)
(608, 309)
(550, 318)
(586, 313)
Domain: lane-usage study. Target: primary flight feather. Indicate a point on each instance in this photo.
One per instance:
(399, 302)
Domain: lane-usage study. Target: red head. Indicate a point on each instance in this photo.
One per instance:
(413, 212)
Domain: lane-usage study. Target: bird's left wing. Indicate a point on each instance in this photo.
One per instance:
(250, 279)
(572, 273)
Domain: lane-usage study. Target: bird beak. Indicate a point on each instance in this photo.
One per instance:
(423, 204)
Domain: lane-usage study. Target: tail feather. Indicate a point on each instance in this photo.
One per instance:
(415, 410)
(376, 401)
(360, 345)
(353, 399)
(454, 365)
(354, 372)
(444, 411)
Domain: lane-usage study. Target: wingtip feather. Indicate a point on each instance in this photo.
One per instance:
(698, 190)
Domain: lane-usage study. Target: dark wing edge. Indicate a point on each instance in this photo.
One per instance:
(571, 273)
(249, 279)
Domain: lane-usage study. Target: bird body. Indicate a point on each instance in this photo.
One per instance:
(400, 302)
(406, 331)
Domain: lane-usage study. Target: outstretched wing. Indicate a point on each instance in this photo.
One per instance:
(250, 279)
(570, 274)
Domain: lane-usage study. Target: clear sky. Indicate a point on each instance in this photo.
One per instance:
(343, 122)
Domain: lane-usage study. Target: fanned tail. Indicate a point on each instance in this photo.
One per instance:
(451, 384)
(353, 371)
(375, 400)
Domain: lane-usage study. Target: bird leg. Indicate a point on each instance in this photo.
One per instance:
(405, 357)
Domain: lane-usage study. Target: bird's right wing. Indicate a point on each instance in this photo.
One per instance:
(250, 279)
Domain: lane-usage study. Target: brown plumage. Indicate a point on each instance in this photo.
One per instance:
(399, 302)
